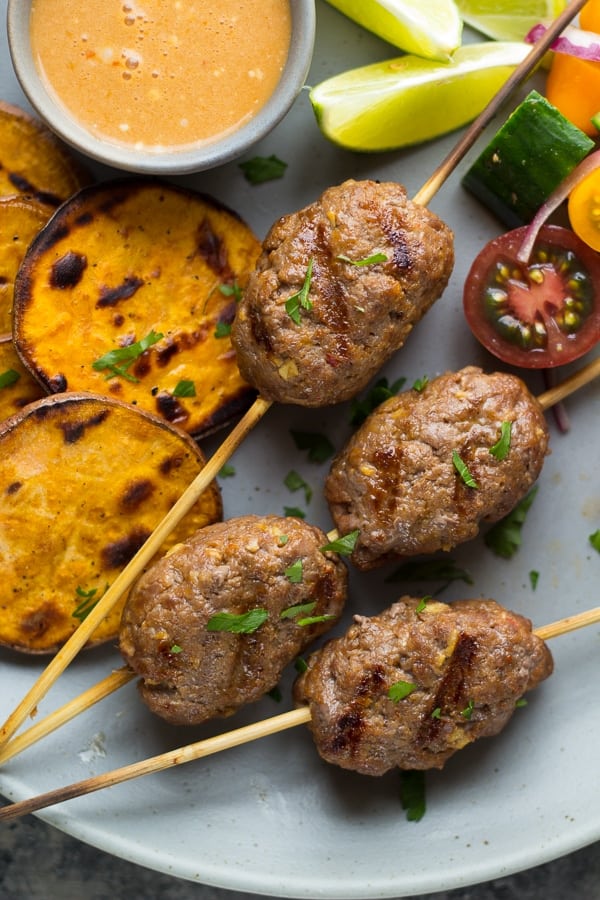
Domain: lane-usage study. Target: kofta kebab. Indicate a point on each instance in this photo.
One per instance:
(353, 319)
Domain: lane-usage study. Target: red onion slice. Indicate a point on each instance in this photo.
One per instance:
(585, 168)
(574, 41)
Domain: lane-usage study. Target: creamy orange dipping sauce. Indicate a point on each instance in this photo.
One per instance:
(161, 74)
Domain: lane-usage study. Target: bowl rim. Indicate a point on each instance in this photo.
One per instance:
(172, 162)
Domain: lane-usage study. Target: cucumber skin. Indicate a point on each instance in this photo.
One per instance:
(530, 155)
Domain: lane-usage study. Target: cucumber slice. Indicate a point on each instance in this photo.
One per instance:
(530, 155)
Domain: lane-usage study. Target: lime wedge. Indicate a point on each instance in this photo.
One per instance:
(409, 99)
(508, 20)
(429, 28)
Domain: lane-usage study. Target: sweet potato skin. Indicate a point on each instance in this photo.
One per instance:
(21, 218)
(33, 162)
(125, 259)
(17, 386)
(84, 480)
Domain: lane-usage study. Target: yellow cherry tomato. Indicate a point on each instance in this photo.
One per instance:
(584, 209)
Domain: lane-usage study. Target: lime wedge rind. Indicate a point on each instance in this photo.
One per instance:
(408, 100)
(428, 28)
(508, 20)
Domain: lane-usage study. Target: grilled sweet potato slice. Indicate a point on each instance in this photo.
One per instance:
(33, 162)
(137, 265)
(17, 386)
(84, 480)
(21, 218)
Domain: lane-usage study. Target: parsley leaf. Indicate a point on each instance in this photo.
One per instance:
(300, 300)
(504, 538)
(227, 471)
(300, 609)
(126, 355)
(184, 388)
(275, 694)
(88, 600)
(294, 573)
(467, 712)
(533, 579)
(295, 482)
(595, 540)
(343, 545)
(502, 446)
(445, 570)
(420, 384)
(319, 446)
(380, 391)
(366, 261)
(412, 794)
(175, 648)
(463, 470)
(300, 665)
(263, 168)
(222, 329)
(9, 377)
(294, 512)
(231, 290)
(244, 623)
(315, 620)
(401, 689)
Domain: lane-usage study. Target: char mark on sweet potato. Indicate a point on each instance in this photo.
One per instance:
(68, 270)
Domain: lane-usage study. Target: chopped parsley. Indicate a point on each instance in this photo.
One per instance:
(184, 388)
(315, 620)
(222, 329)
(263, 168)
(300, 300)
(533, 579)
(227, 471)
(412, 794)
(127, 355)
(504, 538)
(294, 512)
(420, 384)
(595, 540)
(366, 261)
(422, 603)
(87, 600)
(9, 377)
(244, 623)
(463, 470)
(502, 446)
(294, 573)
(433, 570)
(437, 713)
(231, 290)
(401, 689)
(521, 702)
(275, 694)
(319, 446)
(467, 712)
(300, 609)
(300, 665)
(175, 648)
(295, 482)
(380, 391)
(282, 540)
(343, 545)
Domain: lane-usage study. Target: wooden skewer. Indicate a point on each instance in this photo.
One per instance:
(79, 704)
(216, 744)
(134, 568)
(69, 711)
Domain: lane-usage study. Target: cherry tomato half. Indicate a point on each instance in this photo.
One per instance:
(539, 315)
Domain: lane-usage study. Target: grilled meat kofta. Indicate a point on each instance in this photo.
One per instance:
(411, 686)
(337, 289)
(427, 467)
(211, 626)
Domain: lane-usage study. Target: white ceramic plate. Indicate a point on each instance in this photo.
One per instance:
(271, 817)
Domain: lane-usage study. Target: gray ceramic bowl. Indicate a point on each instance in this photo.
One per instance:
(173, 162)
